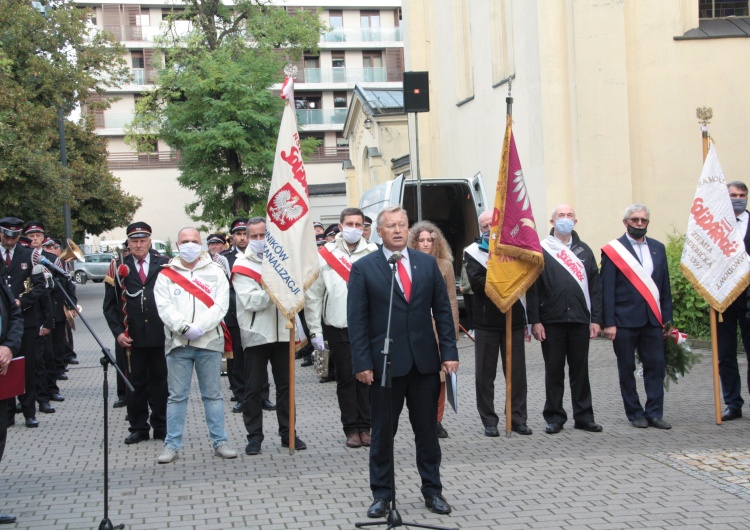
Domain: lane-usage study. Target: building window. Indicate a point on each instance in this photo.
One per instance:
(339, 100)
(372, 59)
(137, 58)
(336, 19)
(722, 8)
(501, 38)
(308, 102)
(369, 19)
(178, 14)
(337, 60)
(463, 56)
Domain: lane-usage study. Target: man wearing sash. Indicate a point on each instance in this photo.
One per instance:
(565, 311)
(192, 297)
(326, 300)
(637, 302)
(264, 338)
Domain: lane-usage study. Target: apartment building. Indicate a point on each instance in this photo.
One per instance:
(364, 46)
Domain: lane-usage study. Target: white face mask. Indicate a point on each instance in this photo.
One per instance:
(189, 252)
(351, 235)
(257, 246)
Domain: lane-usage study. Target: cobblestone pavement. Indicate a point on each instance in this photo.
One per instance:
(695, 475)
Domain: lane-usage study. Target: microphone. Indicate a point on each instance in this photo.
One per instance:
(394, 258)
(52, 267)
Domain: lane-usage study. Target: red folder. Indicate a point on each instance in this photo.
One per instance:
(13, 383)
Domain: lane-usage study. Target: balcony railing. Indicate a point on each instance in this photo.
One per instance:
(131, 160)
(321, 116)
(363, 35)
(328, 154)
(147, 33)
(139, 76)
(114, 120)
(345, 75)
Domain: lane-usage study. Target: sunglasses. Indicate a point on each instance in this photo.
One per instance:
(635, 220)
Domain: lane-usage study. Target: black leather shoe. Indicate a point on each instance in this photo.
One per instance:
(19, 408)
(491, 430)
(731, 414)
(233, 398)
(7, 519)
(32, 423)
(590, 426)
(378, 508)
(237, 408)
(659, 423)
(437, 504)
(307, 362)
(253, 447)
(299, 445)
(45, 407)
(57, 397)
(521, 429)
(61, 377)
(442, 433)
(73, 361)
(135, 437)
(554, 428)
(641, 423)
(119, 403)
(268, 405)
(328, 379)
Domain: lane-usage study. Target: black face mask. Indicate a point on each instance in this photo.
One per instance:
(636, 233)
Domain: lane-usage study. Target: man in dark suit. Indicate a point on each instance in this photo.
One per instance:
(142, 332)
(735, 315)
(637, 303)
(415, 356)
(17, 268)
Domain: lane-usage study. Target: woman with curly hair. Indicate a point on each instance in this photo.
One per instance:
(426, 237)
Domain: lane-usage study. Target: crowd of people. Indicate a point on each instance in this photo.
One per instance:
(172, 317)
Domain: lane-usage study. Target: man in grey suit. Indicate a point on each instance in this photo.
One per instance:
(416, 357)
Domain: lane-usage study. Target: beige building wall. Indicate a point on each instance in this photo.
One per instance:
(604, 102)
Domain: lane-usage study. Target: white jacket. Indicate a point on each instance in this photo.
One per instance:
(326, 298)
(178, 308)
(260, 322)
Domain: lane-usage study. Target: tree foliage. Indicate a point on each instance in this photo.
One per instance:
(48, 62)
(213, 101)
(690, 311)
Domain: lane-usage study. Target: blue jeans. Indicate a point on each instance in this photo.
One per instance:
(180, 362)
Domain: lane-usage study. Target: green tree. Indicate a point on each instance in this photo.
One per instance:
(213, 101)
(48, 62)
(690, 311)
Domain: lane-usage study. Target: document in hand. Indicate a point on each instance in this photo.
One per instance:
(13, 383)
(451, 390)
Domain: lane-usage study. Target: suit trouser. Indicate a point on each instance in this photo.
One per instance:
(4, 404)
(121, 359)
(567, 342)
(46, 376)
(420, 391)
(70, 353)
(353, 396)
(256, 372)
(487, 346)
(650, 344)
(32, 350)
(58, 346)
(148, 375)
(726, 335)
(236, 371)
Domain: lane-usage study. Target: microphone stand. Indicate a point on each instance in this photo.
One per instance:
(393, 519)
(106, 360)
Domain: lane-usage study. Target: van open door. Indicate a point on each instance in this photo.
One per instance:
(380, 196)
(477, 190)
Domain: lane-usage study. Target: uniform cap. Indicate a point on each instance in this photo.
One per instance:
(216, 238)
(33, 227)
(320, 239)
(238, 224)
(332, 229)
(11, 226)
(138, 230)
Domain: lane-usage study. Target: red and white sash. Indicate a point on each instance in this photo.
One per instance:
(636, 274)
(248, 268)
(570, 262)
(337, 260)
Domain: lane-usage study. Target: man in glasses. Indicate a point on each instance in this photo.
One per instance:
(637, 304)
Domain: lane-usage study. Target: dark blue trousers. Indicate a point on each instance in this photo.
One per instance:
(650, 344)
(726, 335)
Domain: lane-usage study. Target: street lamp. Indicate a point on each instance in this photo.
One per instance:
(368, 123)
(42, 9)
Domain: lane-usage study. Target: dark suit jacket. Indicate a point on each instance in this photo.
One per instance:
(623, 305)
(413, 339)
(144, 325)
(31, 303)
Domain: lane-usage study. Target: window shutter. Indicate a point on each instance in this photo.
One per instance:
(148, 64)
(131, 14)
(394, 64)
(112, 20)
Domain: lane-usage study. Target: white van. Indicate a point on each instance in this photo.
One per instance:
(452, 204)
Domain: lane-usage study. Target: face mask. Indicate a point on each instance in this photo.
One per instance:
(564, 225)
(189, 252)
(485, 243)
(351, 235)
(739, 205)
(636, 233)
(257, 246)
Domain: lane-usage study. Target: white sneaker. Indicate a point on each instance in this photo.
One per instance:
(168, 455)
(223, 450)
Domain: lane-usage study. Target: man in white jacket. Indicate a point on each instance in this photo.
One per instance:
(326, 301)
(264, 338)
(192, 297)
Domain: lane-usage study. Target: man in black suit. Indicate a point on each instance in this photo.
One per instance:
(17, 268)
(11, 334)
(636, 304)
(415, 357)
(735, 314)
(141, 331)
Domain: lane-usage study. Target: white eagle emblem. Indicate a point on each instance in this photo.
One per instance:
(285, 208)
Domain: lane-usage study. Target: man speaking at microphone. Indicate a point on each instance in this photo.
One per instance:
(416, 356)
